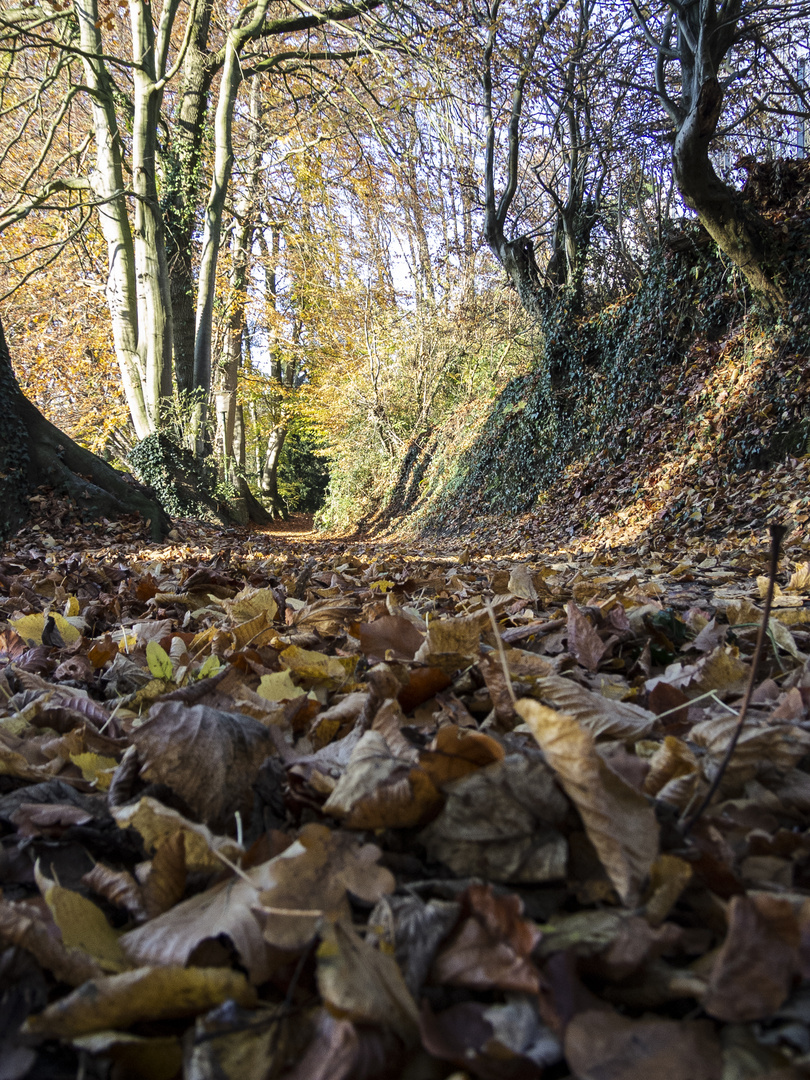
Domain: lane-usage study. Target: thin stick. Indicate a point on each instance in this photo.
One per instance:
(777, 534)
(501, 652)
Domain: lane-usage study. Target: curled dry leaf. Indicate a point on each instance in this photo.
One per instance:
(119, 887)
(456, 752)
(619, 822)
(670, 761)
(165, 881)
(380, 790)
(491, 948)
(600, 715)
(147, 994)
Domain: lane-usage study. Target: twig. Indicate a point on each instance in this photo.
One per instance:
(501, 653)
(777, 534)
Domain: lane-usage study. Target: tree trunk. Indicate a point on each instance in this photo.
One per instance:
(181, 193)
(33, 452)
(275, 444)
(735, 226)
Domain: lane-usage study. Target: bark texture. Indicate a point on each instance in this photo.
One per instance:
(738, 230)
(34, 452)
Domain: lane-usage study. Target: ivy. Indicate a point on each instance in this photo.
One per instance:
(184, 485)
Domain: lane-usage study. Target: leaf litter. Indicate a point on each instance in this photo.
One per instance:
(319, 809)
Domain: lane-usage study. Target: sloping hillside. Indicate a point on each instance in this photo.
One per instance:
(683, 410)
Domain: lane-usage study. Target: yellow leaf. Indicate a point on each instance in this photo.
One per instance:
(146, 994)
(211, 667)
(156, 822)
(251, 602)
(158, 661)
(316, 667)
(30, 628)
(278, 687)
(71, 607)
(96, 769)
(620, 822)
(82, 924)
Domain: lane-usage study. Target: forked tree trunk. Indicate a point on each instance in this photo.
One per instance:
(33, 452)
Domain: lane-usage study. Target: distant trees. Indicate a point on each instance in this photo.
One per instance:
(105, 117)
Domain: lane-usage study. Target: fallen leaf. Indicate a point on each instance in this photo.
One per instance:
(146, 994)
(208, 757)
(619, 822)
(363, 984)
(606, 1046)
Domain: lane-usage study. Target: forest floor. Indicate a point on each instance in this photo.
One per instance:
(274, 804)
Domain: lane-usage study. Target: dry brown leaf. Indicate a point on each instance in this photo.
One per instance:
(602, 716)
(584, 642)
(499, 823)
(119, 887)
(171, 938)
(521, 582)
(755, 969)
(208, 757)
(620, 823)
(671, 760)
(380, 790)
(492, 947)
(313, 877)
(760, 746)
(165, 882)
(456, 752)
(391, 637)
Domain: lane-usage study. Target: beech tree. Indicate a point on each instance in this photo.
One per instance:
(113, 117)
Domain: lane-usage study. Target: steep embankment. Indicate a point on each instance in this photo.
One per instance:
(681, 411)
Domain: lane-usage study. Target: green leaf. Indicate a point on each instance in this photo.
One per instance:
(158, 660)
(211, 667)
